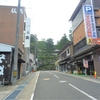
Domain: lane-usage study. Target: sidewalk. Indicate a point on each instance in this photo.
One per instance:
(86, 77)
(25, 81)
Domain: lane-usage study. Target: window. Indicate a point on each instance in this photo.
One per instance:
(68, 52)
(24, 26)
(98, 33)
(63, 55)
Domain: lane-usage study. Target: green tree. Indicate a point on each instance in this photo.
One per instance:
(49, 46)
(33, 39)
(45, 54)
(60, 44)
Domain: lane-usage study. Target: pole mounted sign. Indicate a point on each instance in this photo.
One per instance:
(27, 32)
(90, 27)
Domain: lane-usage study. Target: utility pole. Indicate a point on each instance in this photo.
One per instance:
(15, 70)
(36, 51)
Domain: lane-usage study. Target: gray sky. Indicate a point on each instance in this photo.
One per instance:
(49, 17)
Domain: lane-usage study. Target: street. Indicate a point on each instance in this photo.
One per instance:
(53, 85)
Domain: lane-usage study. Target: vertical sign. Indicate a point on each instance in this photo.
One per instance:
(89, 22)
(27, 32)
(85, 63)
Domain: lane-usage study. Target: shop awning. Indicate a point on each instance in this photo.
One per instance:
(57, 62)
(64, 60)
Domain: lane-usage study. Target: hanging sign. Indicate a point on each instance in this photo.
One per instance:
(27, 32)
(90, 27)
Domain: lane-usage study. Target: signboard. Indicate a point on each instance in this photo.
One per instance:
(89, 22)
(85, 63)
(5, 67)
(14, 10)
(27, 32)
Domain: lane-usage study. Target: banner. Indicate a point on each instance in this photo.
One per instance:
(89, 23)
(27, 32)
(85, 63)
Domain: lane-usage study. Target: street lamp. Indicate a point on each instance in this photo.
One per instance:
(16, 45)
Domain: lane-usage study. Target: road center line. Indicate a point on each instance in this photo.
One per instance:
(83, 92)
(56, 76)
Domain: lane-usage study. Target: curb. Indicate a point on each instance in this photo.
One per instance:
(85, 78)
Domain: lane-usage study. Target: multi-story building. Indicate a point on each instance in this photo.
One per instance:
(86, 46)
(8, 19)
(65, 54)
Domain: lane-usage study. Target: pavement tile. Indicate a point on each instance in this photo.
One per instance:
(7, 89)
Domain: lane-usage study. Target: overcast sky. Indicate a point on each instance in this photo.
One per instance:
(49, 17)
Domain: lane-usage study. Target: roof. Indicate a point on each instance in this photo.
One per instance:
(5, 47)
(77, 9)
(69, 43)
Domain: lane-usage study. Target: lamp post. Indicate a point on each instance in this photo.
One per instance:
(16, 45)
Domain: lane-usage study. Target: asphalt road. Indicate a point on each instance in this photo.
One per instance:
(57, 86)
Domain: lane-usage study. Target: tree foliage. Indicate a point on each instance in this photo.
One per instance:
(60, 44)
(33, 40)
(49, 46)
(45, 50)
(45, 54)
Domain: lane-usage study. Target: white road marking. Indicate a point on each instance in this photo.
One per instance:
(91, 97)
(46, 79)
(56, 76)
(62, 81)
(49, 72)
(32, 96)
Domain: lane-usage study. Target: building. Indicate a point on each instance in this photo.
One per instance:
(32, 64)
(85, 43)
(65, 54)
(8, 19)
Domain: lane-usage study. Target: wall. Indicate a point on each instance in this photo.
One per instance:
(97, 13)
(79, 33)
(96, 3)
(96, 57)
(8, 17)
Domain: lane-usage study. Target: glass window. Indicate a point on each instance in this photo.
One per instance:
(98, 33)
(68, 51)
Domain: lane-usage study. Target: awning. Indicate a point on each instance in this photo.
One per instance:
(5, 48)
(21, 60)
(67, 58)
(57, 62)
(64, 62)
(88, 50)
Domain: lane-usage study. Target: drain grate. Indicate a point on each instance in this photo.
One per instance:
(20, 87)
(13, 95)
